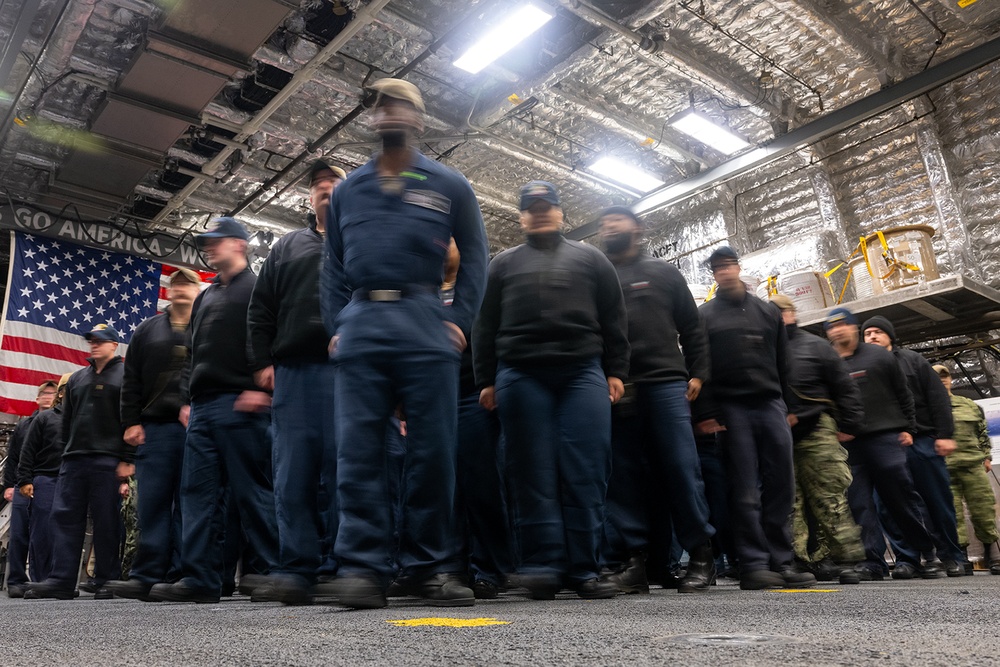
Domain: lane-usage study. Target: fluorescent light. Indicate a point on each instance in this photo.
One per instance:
(515, 28)
(626, 174)
(705, 131)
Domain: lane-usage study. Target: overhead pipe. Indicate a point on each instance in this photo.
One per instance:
(365, 103)
(362, 18)
(817, 130)
(653, 50)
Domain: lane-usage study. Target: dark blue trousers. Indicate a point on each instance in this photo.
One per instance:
(17, 547)
(933, 484)
(395, 455)
(40, 523)
(368, 389)
(557, 430)
(225, 450)
(655, 446)
(86, 482)
(713, 472)
(761, 475)
(878, 463)
(304, 455)
(158, 465)
(482, 503)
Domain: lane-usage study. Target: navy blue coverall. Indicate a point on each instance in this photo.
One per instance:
(392, 352)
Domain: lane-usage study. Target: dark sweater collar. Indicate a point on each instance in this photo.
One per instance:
(546, 241)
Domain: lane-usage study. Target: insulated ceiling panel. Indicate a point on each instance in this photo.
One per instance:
(105, 172)
(167, 82)
(235, 28)
(138, 125)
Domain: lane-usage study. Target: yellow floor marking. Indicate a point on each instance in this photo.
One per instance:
(806, 590)
(448, 622)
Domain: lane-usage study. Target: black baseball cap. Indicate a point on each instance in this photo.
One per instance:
(622, 210)
(225, 227)
(722, 255)
(538, 191)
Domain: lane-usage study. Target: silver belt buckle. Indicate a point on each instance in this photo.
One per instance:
(385, 295)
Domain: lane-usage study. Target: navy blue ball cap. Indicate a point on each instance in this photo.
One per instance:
(224, 228)
(538, 191)
(722, 255)
(103, 332)
(839, 315)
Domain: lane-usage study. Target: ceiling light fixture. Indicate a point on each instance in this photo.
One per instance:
(517, 27)
(704, 130)
(624, 173)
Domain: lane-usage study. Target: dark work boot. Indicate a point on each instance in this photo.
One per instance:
(953, 568)
(991, 555)
(700, 571)
(631, 578)
(446, 590)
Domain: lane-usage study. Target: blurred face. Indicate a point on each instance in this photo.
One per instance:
(727, 274)
(183, 292)
(788, 316)
(223, 253)
(946, 381)
(843, 334)
(541, 218)
(619, 233)
(320, 190)
(102, 350)
(394, 116)
(876, 336)
(45, 398)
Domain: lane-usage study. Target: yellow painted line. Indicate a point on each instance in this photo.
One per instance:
(448, 622)
(806, 590)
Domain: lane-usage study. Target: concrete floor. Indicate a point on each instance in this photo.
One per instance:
(943, 622)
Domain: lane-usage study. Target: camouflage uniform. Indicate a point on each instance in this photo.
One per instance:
(968, 476)
(130, 521)
(821, 480)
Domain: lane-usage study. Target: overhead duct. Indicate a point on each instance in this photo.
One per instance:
(812, 132)
(363, 17)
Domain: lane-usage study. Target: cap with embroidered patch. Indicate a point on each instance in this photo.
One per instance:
(103, 332)
(839, 316)
(225, 227)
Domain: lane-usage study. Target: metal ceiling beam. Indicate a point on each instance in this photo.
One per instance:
(364, 16)
(810, 133)
(12, 49)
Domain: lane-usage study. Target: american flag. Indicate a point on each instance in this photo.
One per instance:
(57, 292)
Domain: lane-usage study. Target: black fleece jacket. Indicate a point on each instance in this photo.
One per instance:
(884, 391)
(43, 448)
(284, 321)
(930, 399)
(747, 342)
(154, 366)
(661, 313)
(220, 361)
(820, 383)
(15, 451)
(550, 302)
(92, 418)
